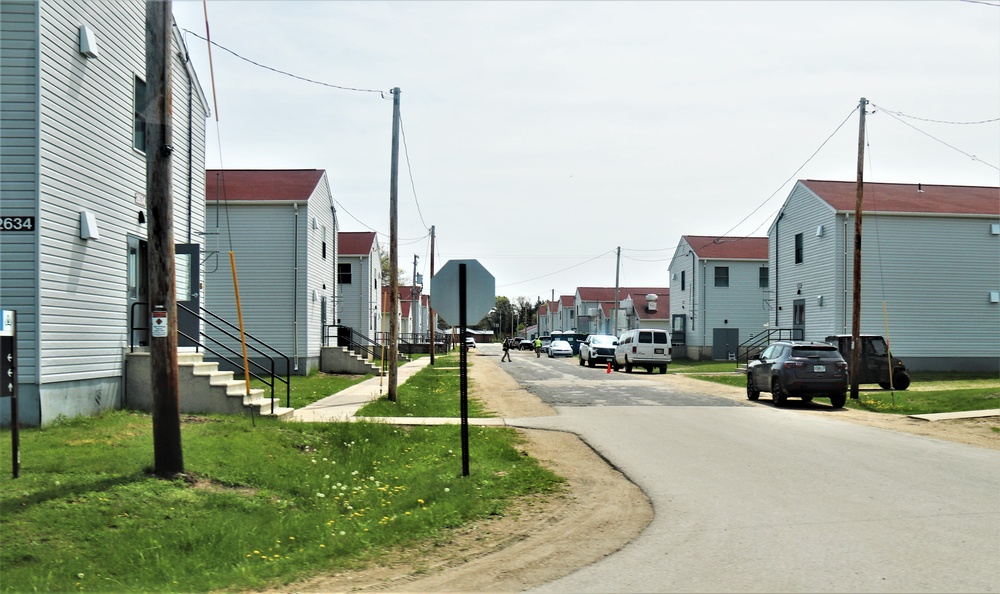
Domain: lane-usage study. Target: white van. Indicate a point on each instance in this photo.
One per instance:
(644, 347)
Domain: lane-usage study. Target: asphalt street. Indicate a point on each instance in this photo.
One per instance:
(760, 499)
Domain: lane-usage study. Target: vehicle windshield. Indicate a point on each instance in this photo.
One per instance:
(599, 340)
(817, 352)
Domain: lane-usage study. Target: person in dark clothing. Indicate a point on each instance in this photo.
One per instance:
(506, 350)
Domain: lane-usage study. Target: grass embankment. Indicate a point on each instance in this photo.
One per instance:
(304, 390)
(264, 505)
(929, 392)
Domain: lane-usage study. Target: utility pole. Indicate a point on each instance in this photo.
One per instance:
(618, 265)
(415, 301)
(432, 317)
(167, 454)
(856, 301)
(393, 251)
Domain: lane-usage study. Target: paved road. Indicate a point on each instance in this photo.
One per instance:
(758, 499)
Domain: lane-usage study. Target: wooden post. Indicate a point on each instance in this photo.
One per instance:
(167, 453)
(856, 296)
(393, 251)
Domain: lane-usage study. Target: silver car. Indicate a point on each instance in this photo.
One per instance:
(560, 348)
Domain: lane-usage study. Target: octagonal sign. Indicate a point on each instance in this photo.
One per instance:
(480, 292)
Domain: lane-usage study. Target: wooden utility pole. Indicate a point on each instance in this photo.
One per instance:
(167, 453)
(393, 251)
(618, 265)
(856, 297)
(430, 309)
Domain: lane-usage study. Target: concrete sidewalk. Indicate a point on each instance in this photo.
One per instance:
(342, 406)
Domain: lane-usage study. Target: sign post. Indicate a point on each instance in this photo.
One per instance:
(460, 290)
(8, 381)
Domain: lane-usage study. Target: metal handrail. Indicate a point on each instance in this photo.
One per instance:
(759, 342)
(274, 378)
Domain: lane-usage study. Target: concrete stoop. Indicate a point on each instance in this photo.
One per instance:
(338, 359)
(201, 386)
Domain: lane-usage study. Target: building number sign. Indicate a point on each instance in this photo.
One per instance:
(17, 223)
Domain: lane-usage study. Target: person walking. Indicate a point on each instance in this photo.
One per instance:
(538, 348)
(506, 350)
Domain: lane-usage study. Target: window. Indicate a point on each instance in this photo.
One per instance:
(683, 278)
(798, 248)
(762, 281)
(721, 276)
(139, 136)
(324, 242)
(344, 273)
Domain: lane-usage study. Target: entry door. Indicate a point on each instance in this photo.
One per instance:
(724, 343)
(187, 262)
(138, 292)
(798, 319)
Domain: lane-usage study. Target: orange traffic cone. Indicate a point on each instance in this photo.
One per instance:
(609, 367)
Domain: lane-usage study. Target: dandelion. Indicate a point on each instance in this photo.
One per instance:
(322, 546)
(342, 533)
(446, 489)
(320, 495)
(80, 576)
(327, 476)
(314, 460)
(420, 501)
(291, 538)
(256, 552)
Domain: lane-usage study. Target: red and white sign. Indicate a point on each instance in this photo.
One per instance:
(159, 324)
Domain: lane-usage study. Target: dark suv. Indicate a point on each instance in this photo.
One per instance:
(802, 369)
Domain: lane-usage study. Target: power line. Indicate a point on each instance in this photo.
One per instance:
(272, 69)
(903, 115)
(557, 271)
(406, 154)
(973, 157)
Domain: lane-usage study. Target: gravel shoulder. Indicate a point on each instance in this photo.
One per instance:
(543, 538)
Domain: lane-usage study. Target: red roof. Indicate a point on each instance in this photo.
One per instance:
(261, 184)
(909, 198)
(355, 243)
(662, 312)
(601, 294)
(727, 248)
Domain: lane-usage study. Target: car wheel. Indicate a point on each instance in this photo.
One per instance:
(777, 393)
(901, 380)
(752, 392)
(590, 362)
(581, 361)
(628, 366)
(807, 399)
(649, 369)
(614, 365)
(838, 400)
(663, 369)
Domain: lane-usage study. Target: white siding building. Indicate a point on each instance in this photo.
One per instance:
(72, 155)
(719, 294)
(930, 268)
(359, 283)
(281, 226)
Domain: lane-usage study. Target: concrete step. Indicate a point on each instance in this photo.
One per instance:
(262, 406)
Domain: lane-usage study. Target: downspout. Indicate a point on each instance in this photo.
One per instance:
(704, 329)
(295, 290)
(777, 236)
(190, 147)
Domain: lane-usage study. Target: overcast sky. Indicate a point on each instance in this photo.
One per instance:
(541, 136)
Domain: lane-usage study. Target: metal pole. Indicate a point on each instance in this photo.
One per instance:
(393, 251)
(464, 379)
(856, 301)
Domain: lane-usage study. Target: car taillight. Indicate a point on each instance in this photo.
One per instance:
(792, 364)
(842, 365)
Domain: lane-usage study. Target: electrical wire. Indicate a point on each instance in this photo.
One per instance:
(973, 157)
(577, 265)
(903, 115)
(406, 155)
(282, 72)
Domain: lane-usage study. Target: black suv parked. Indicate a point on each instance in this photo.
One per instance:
(801, 369)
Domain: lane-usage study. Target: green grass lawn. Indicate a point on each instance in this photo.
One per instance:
(305, 390)
(929, 392)
(265, 504)
(432, 392)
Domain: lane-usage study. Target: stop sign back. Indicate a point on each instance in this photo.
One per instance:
(480, 291)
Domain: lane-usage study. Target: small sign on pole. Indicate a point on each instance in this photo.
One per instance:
(159, 322)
